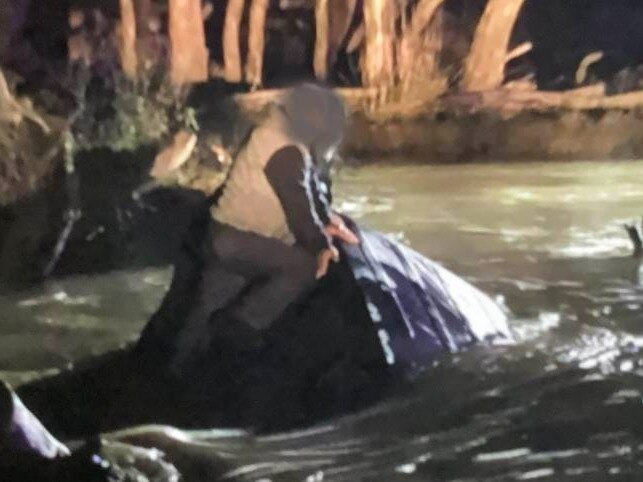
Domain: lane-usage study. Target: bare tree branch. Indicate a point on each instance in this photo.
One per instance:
(231, 51)
(485, 66)
(321, 39)
(256, 42)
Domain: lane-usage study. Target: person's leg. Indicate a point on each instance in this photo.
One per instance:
(238, 258)
(217, 287)
(281, 273)
(294, 275)
(159, 335)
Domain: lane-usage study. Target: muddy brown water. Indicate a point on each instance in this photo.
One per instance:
(546, 240)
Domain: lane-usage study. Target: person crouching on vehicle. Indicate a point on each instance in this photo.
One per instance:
(272, 229)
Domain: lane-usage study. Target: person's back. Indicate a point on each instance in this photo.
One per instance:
(248, 201)
(270, 238)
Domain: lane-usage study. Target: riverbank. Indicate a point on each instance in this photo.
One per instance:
(117, 231)
(450, 131)
(457, 129)
(451, 137)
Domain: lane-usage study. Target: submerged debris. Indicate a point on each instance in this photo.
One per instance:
(636, 237)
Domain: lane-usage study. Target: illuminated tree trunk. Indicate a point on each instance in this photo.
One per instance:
(189, 54)
(256, 42)
(231, 51)
(423, 14)
(485, 66)
(320, 60)
(413, 44)
(127, 39)
(378, 60)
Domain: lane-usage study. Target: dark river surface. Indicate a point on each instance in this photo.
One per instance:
(546, 240)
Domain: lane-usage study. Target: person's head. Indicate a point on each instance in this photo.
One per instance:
(317, 118)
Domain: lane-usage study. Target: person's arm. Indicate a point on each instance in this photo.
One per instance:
(322, 197)
(296, 185)
(333, 222)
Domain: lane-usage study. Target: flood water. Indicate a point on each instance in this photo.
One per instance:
(547, 240)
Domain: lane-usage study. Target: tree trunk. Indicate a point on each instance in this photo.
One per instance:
(378, 60)
(143, 9)
(422, 15)
(485, 66)
(231, 50)
(520, 100)
(189, 54)
(256, 42)
(127, 39)
(416, 47)
(340, 18)
(320, 60)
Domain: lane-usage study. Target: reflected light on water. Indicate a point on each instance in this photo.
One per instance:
(563, 404)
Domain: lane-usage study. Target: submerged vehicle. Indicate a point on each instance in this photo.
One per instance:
(380, 315)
